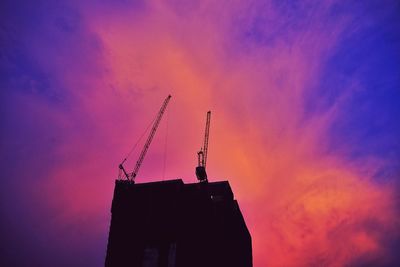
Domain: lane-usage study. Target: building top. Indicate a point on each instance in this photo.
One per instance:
(202, 222)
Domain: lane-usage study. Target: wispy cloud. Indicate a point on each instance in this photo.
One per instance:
(296, 128)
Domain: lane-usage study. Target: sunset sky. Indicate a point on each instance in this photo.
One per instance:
(305, 101)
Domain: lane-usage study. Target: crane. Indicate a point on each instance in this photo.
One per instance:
(131, 176)
(202, 154)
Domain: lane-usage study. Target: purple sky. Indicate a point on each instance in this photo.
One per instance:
(306, 121)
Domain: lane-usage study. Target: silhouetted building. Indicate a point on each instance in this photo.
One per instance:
(172, 224)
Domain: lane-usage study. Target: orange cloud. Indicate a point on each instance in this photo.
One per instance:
(304, 205)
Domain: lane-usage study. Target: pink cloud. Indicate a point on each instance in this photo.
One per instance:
(303, 205)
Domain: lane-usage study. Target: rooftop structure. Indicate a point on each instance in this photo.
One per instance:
(173, 224)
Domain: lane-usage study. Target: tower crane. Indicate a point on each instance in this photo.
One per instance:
(131, 176)
(202, 154)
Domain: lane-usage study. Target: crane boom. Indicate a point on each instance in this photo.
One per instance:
(131, 176)
(206, 135)
(150, 138)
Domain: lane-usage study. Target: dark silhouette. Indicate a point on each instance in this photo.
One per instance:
(202, 154)
(131, 176)
(173, 224)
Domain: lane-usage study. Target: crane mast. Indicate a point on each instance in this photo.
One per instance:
(131, 176)
(202, 154)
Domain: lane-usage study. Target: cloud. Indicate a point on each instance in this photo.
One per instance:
(86, 80)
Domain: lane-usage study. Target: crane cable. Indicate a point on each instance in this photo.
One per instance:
(138, 141)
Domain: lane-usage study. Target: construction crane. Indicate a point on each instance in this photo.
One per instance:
(202, 154)
(131, 176)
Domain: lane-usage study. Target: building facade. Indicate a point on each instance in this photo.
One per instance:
(172, 224)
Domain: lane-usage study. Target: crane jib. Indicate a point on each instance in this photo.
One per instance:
(148, 142)
(206, 135)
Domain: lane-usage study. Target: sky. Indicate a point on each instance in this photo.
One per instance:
(305, 101)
